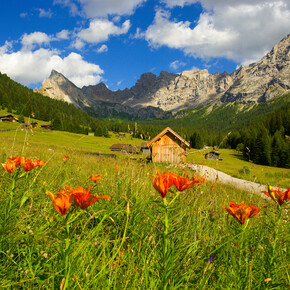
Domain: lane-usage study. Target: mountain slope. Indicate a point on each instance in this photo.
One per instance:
(258, 82)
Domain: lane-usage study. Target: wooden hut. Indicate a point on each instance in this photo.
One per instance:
(144, 148)
(213, 155)
(29, 125)
(46, 126)
(168, 147)
(125, 148)
(8, 118)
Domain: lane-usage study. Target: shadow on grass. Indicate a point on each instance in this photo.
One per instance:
(239, 156)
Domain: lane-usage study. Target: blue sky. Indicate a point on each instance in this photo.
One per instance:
(115, 41)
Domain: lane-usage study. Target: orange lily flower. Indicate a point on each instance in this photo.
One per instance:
(240, 211)
(38, 162)
(61, 201)
(162, 182)
(83, 198)
(27, 164)
(278, 195)
(182, 183)
(64, 158)
(9, 166)
(95, 178)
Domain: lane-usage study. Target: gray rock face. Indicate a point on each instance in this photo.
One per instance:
(263, 80)
(258, 82)
(57, 86)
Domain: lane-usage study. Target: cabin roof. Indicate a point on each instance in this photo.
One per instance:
(118, 146)
(144, 145)
(29, 123)
(212, 152)
(5, 116)
(164, 132)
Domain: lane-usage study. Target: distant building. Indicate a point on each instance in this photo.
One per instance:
(125, 148)
(144, 148)
(46, 126)
(8, 118)
(29, 125)
(213, 155)
(168, 147)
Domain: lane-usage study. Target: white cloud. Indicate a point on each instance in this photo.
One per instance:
(103, 48)
(239, 30)
(101, 8)
(68, 3)
(96, 8)
(30, 40)
(139, 34)
(31, 67)
(44, 13)
(177, 64)
(101, 29)
(23, 14)
(173, 3)
(6, 47)
(78, 44)
(80, 72)
(64, 34)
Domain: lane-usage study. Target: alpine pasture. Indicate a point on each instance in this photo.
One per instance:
(149, 231)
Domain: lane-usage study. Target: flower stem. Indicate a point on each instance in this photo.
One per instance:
(9, 205)
(242, 242)
(165, 275)
(66, 252)
(276, 233)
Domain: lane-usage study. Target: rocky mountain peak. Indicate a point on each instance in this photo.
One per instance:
(260, 81)
(57, 86)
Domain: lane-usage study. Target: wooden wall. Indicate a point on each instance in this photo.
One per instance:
(168, 151)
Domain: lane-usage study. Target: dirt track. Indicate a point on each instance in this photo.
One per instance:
(214, 175)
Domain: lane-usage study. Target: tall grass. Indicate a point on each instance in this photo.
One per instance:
(118, 244)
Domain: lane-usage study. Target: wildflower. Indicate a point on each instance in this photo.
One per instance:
(95, 178)
(61, 201)
(9, 166)
(240, 211)
(210, 258)
(64, 158)
(162, 182)
(278, 195)
(38, 162)
(83, 198)
(182, 183)
(27, 164)
(117, 167)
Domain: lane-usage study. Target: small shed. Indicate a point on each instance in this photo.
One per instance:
(118, 147)
(46, 126)
(130, 149)
(8, 118)
(168, 147)
(213, 155)
(125, 148)
(29, 125)
(144, 148)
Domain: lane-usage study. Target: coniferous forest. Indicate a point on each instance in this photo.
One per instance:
(261, 134)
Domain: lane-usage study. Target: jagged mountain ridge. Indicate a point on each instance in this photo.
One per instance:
(258, 82)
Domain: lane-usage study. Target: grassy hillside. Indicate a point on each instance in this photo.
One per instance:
(226, 116)
(234, 164)
(14, 142)
(135, 240)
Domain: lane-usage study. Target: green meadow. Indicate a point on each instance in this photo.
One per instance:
(135, 240)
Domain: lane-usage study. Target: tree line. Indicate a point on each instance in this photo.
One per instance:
(265, 142)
